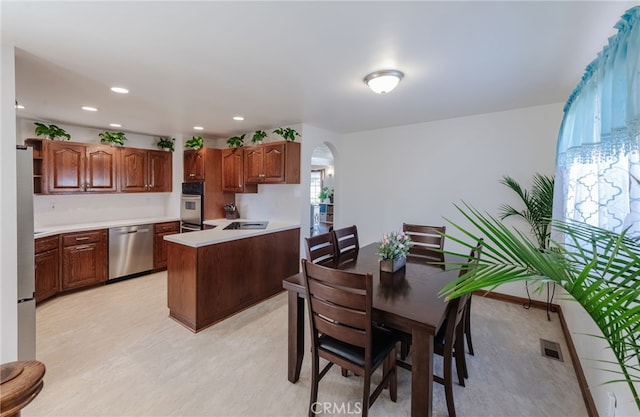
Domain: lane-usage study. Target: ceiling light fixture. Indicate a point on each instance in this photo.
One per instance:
(19, 106)
(89, 108)
(120, 90)
(382, 82)
(115, 125)
(238, 118)
(198, 128)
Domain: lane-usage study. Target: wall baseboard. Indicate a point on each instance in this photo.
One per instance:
(555, 308)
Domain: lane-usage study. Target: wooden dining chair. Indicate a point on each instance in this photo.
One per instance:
(321, 249)
(346, 239)
(427, 240)
(340, 309)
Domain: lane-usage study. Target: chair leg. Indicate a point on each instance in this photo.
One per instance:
(461, 365)
(448, 383)
(365, 394)
(393, 383)
(314, 385)
(467, 326)
(345, 372)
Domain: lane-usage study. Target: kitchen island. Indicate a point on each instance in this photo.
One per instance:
(215, 273)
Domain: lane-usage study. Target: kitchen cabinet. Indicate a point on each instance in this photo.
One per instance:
(145, 170)
(233, 172)
(76, 167)
(160, 230)
(205, 165)
(47, 267)
(194, 164)
(272, 163)
(61, 167)
(84, 259)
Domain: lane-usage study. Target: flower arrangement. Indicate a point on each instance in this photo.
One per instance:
(394, 245)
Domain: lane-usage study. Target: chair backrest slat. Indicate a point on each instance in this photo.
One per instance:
(346, 239)
(353, 318)
(337, 295)
(341, 332)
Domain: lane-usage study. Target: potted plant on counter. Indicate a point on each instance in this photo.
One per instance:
(195, 143)
(166, 143)
(236, 141)
(258, 137)
(112, 138)
(287, 133)
(51, 131)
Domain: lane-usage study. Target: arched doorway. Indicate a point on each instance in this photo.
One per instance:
(321, 178)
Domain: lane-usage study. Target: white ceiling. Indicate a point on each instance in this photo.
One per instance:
(283, 63)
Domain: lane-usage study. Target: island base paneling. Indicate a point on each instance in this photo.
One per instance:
(210, 283)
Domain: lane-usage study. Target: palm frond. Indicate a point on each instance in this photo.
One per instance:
(600, 269)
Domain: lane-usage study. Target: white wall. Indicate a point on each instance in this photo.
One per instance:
(8, 231)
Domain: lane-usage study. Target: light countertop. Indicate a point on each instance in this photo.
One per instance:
(218, 235)
(81, 227)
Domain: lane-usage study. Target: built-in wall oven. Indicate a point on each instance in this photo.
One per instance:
(192, 207)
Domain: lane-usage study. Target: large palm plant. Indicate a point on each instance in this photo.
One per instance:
(599, 268)
(538, 205)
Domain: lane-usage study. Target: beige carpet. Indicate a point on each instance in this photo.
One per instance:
(113, 351)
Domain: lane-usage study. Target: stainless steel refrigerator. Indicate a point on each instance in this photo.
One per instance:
(26, 259)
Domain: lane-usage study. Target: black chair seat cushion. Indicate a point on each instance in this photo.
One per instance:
(383, 341)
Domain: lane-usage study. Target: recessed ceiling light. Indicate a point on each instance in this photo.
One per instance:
(120, 90)
(198, 128)
(238, 118)
(89, 108)
(115, 125)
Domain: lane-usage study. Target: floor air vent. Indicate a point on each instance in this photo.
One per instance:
(550, 350)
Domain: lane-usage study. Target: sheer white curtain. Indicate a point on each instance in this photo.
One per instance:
(598, 155)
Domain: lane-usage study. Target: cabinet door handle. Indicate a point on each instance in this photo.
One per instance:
(81, 248)
(192, 175)
(82, 238)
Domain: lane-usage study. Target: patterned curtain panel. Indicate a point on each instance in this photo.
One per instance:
(598, 155)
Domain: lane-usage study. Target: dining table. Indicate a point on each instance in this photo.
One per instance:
(407, 300)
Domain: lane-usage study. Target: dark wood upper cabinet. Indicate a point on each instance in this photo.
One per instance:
(65, 166)
(233, 172)
(101, 168)
(160, 170)
(272, 163)
(194, 165)
(72, 167)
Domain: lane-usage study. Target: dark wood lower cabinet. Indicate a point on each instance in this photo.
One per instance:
(160, 230)
(209, 283)
(84, 259)
(47, 267)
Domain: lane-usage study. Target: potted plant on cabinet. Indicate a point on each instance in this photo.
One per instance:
(166, 143)
(326, 194)
(287, 133)
(51, 131)
(194, 143)
(258, 137)
(236, 141)
(112, 138)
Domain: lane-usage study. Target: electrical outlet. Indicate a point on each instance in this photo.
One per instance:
(52, 206)
(611, 408)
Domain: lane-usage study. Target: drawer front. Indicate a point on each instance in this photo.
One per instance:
(166, 227)
(71, 239)
(44, 244)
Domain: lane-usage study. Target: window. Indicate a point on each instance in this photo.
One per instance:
(317, 179)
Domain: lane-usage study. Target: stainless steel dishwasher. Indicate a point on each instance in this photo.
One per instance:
(130, 250)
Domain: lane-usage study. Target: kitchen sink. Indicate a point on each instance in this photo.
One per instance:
(246, 225)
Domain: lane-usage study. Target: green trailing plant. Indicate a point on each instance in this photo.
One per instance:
(287, 133)
(258, 136)
(236, 141)
(600, 269)
(51, 131)
(112, 138)
(166, 143)
(195, 143)
(538, 205)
